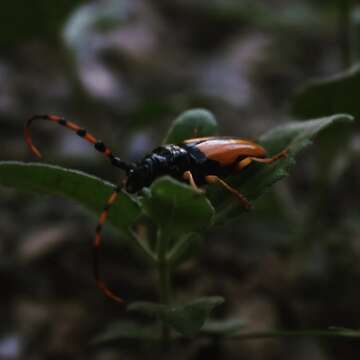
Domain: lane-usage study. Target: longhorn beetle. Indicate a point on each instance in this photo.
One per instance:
(197, 161)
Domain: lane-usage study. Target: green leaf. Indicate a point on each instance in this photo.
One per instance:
(257, 178)
(176, 207)
(189, 319)
(186, 319)
(232, 328)
(190, 124)
(222, 327)
(188, 246)
(90, 191)
(298, 135)
(333, 95)
(126, 330)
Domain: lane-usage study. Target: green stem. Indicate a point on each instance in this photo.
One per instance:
(164, 275)
(345, 333)
(143, 245)
(345, 31)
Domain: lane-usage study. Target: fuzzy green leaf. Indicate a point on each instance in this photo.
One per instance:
(176, 207)
(257, 178)
(190, 124)
(298, 135)
(232, 328)
(333, 95)
(186, 319)
(90, 191)
(126, 330)
(223, 327)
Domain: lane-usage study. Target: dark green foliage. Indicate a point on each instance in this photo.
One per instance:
(90, 191)
(255, 180)
(176, 208)
(186, 319)
(180, 214)
(223, 327)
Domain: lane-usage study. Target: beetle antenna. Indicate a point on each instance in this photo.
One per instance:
(98, 238)
(98, 144)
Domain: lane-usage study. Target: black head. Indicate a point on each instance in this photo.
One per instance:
(119, 163)
(137, 178)
(135, 174)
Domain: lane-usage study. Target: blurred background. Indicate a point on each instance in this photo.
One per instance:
(124, 69)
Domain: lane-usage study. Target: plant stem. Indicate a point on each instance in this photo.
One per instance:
(164, 282)
(164, 275)
(345, 333)
(345, 31)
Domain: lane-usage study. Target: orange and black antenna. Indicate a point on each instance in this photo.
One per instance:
(102, 148)
(99, 145)
(103, 216)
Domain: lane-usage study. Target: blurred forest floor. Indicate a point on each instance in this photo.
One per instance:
(124, 69)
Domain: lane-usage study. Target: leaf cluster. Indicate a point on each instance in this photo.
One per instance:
(181, 214)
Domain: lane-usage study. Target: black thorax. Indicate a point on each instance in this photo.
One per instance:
(173, 160)
(170, 160)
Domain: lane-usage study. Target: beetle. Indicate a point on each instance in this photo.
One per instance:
(197, 161)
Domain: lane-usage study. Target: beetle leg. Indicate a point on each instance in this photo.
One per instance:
(190, 179)
(245, 162)
(96, 246)
(212, 179)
